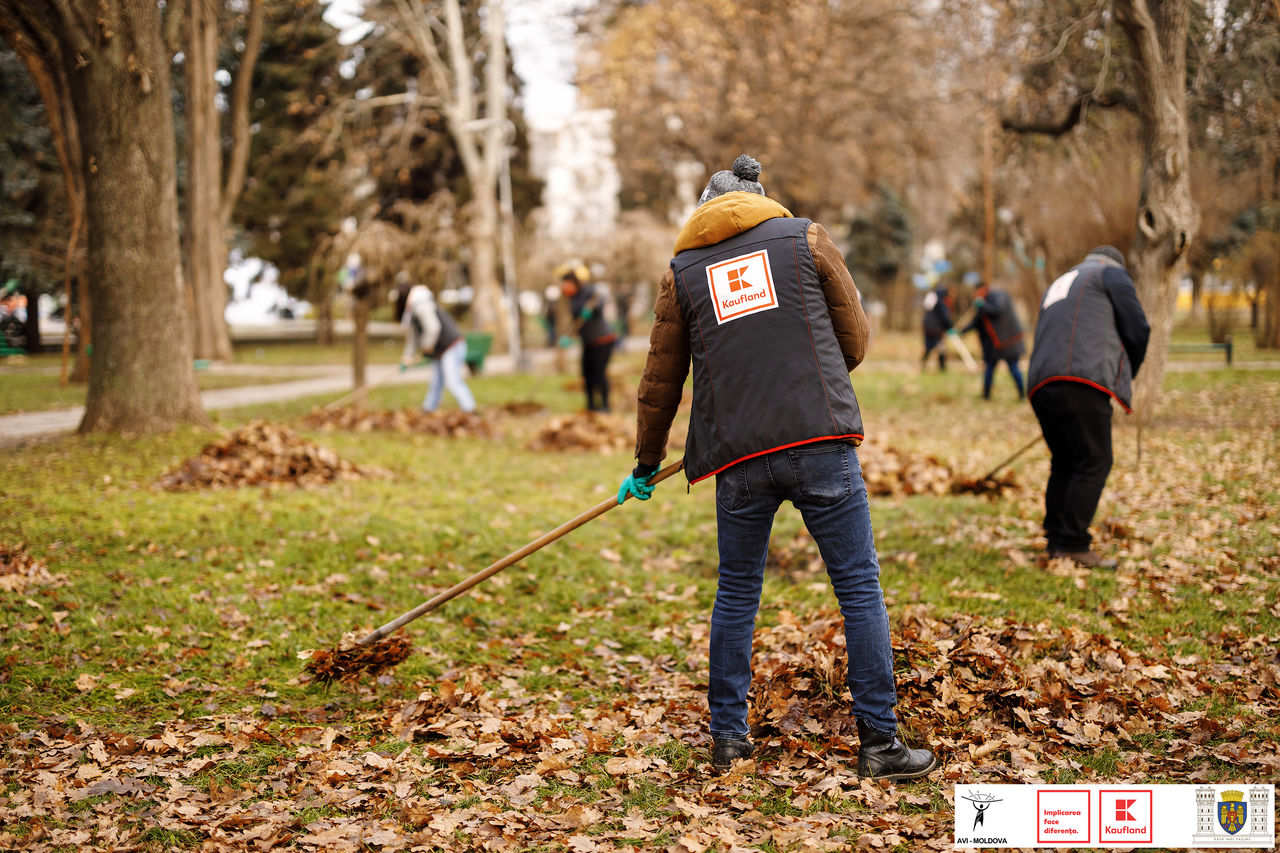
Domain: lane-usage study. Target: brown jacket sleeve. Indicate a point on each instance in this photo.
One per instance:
(843, 299)
(662, 383)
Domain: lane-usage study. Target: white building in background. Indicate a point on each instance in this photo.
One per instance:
(573, 154)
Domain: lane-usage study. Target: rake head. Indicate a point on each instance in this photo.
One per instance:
(350, 659)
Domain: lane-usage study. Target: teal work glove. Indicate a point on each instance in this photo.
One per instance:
(979, 302)
(953, 333)
(565, 342)
(585, 313)
(637, 483)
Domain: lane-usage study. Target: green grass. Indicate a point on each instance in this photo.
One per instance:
(181, 607)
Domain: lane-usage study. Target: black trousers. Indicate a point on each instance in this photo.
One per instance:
(932, 342)
(595, 367)
(1076, 421)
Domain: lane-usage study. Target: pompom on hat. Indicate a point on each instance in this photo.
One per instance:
(743, 177)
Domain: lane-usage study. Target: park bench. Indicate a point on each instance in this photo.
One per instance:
(1225, 346)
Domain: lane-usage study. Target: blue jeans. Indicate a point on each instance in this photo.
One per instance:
(824, 481)
(989, 372)
(448, 374)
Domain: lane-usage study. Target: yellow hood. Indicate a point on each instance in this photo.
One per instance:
(725, 216)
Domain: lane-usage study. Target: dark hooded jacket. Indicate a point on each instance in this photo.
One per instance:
(594, 329)
(1091, 329)
(770, 364)
(998, 327)
(937, 312)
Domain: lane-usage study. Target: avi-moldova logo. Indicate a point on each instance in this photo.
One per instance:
(741, 286)
(1232, 811)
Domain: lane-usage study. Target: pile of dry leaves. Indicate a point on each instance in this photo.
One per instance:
(260, 454)
(19, 571)
(521, 408)
(1014, 700)
(585, 431)
(451, 423)
(890, 471)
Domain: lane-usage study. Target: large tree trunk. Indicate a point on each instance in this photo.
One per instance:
(79, 321)
(484, 263)
(1269, 336)
(206, 250)
(1167, 214)
(141, 377)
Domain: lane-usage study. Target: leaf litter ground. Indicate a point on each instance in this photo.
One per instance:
(480, 757)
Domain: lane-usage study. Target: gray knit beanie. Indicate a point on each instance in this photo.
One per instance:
(743, 178)
(1109, 252)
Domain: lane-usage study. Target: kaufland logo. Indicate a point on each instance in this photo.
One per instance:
(741, 286)
(1125, 815)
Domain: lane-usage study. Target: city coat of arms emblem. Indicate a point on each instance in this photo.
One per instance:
(1232, 811)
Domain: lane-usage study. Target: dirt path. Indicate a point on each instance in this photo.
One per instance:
(335, 380)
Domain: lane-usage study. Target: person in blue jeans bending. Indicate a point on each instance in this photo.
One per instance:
(432, 332)
(763, 307)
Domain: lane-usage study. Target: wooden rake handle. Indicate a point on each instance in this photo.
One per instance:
(1030, 444)
(509, 560)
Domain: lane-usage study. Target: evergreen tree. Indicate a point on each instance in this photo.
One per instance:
(296, 194)
(880, 241)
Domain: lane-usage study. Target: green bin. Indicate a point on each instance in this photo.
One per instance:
(478, 344)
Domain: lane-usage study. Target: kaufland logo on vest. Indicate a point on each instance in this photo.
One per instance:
(741, 286)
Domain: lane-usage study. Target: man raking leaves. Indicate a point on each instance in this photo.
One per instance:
(763, 307)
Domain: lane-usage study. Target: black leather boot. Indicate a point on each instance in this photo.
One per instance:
(883, 756)
(726, 750)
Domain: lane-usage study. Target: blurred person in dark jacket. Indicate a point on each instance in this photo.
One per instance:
(589, 309)
(1000, 333)
(937, 322)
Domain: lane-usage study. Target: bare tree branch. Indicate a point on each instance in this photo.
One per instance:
(239, 108)
(462, 107)
(1073, 116)
(423, 35)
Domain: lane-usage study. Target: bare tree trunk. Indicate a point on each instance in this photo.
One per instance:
(1270, 336)
(206, 248)
(484, 265)
(113, 86)
(41, 61)
(899, 296)
(324, 323)
(449, 73)
(1167, 214)
(84, 329)
(988, 201)
(141, 377)
(360, 335)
